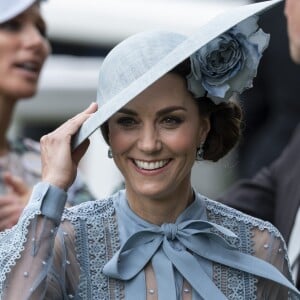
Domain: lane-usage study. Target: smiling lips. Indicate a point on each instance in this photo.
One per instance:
(153, 165)
(30, 67)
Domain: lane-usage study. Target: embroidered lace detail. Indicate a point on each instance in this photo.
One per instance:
(233, 283)
(12, 242)
(232, 213)
(238, 285)
(97, 239)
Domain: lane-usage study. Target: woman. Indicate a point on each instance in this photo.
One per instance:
(165, 102)
(292, 12)
(24, 48)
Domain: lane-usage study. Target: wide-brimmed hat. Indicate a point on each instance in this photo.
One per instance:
(140, 60)
(11, 8)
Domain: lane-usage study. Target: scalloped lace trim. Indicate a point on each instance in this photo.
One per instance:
(12, 242)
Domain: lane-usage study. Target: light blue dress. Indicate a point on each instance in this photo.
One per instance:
(101, 249)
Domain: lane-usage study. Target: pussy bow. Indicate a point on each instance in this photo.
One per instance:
(205, 239)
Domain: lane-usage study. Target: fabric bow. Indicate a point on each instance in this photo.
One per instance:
(208, 240)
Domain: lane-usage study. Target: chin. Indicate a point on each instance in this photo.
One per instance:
(295, 51)
(153, 192)
(25, 93)
(296, 55)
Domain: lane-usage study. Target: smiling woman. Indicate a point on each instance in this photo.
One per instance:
(23, 51)
(158, 238)
(150, 145)
(24, 48)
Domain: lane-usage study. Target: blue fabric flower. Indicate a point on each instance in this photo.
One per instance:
(228, 64)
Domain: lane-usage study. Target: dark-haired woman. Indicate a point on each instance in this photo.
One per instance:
(158, 238)
(24, 47)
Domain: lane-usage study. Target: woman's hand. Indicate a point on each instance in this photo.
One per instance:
(59, 164)
(14, 201)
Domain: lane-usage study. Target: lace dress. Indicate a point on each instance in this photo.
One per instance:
(103, 250)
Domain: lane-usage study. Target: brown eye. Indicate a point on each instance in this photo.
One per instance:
(126, 121)
(172, 120)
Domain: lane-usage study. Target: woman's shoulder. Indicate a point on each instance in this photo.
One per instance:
(222, 213)
(256, 237)
(100, 209)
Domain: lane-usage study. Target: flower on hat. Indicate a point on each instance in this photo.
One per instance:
(228, 63)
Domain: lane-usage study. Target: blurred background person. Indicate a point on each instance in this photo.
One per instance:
(24, 48)
(272, 106)
(292, 13)
(273, 193)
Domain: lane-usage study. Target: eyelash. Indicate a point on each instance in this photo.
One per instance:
(126, 121)
(169, 121)
(172, 120)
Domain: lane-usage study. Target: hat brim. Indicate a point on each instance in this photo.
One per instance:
(191, 44)
(13, 8)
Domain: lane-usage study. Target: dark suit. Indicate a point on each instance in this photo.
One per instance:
(272, 106)
(274, 193)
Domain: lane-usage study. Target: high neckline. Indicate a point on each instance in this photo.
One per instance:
(129, 222)
(195, 210)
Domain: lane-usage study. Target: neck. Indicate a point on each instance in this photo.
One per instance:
(161, 210)
(6, 112)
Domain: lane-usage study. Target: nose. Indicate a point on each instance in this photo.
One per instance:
(149, 140)
(32, 38)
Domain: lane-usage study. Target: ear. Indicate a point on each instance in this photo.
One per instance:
(204, 129)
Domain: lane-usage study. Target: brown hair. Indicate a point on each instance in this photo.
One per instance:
(225, 122)
(225, 127)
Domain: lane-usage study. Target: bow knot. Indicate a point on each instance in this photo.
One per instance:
(196, 238)
(170, 230)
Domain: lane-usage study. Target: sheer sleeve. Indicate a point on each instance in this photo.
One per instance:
(271, 248)
(37, 257)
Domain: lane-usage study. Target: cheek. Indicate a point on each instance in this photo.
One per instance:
(7, 48)
(46, 49)
(5, 61)
(181, 142)
(119, 140)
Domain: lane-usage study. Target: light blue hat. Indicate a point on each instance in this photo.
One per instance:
(11, 8)
(140, 60)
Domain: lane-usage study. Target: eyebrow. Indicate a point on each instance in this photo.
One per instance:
(161, 112)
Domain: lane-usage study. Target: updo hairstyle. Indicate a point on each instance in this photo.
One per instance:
(225, 121)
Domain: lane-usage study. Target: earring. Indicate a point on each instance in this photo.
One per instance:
(200, 153)
(109, 153)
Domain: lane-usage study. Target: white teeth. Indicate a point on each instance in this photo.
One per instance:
(29, 66)
(151, 165)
